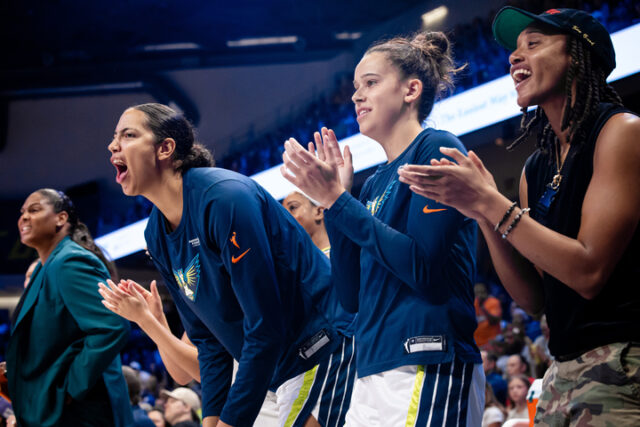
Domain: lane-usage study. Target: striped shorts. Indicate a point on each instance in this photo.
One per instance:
(447, 394)
(324, 391)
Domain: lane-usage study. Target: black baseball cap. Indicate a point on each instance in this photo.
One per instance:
(510, 21)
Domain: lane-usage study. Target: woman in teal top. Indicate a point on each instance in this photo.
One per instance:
(63, 362)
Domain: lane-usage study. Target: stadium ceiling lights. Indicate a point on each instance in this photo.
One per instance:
(348, 36)
(171, 47)
(262, 41)
(434, 16)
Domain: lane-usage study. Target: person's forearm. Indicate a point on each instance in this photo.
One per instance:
(517, 275)
(175, 370)
(163, 320)
(211, 422)
(410, 255)
(180, 359)
(579, 263)
(345, 268)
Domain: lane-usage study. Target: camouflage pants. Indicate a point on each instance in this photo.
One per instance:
(599, 388)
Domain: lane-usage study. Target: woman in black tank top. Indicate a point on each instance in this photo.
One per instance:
(571, 248)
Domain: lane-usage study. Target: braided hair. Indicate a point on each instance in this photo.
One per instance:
(591, 89)
(78, 231)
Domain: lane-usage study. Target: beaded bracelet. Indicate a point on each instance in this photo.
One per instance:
(506, 216)
(514, 222)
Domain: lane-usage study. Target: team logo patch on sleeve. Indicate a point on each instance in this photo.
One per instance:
(374, 205)
(189, 278)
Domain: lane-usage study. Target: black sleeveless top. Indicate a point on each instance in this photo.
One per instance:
(577, 324)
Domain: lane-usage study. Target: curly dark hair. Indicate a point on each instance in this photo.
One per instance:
(591, 90)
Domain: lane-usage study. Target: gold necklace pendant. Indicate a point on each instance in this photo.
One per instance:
(557, 178)
(551, 190)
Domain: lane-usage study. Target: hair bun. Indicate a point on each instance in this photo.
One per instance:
(199, 157)
(427, 56)
(431, 42)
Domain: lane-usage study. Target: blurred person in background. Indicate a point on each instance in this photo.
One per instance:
(181, 407)
(488, 315)
(494, 412)
(140, 417)
(518, 365)
(541, 355)
(157, 416)
(493, 376)
(518, 388)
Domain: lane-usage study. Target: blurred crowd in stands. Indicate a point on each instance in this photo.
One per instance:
(514, 349)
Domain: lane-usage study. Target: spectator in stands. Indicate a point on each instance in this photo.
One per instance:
(157, 416)
(6, 409)
(494, 378)
(521, 320)
(6, 413)
(518, 388)
(512, 342)
(540, 349)
(488, 315)
(140, 417)
(517, 365)
(494, 412)
(182, 407)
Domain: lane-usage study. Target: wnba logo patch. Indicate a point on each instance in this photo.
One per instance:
(189, 278)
